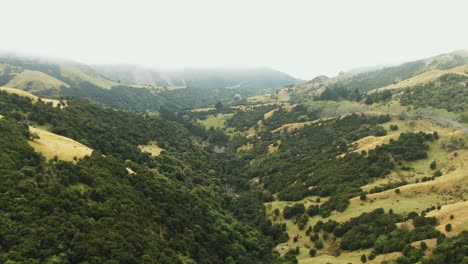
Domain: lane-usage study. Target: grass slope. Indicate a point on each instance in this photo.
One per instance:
(449, 191)
(50, 145)
(34, 81)
(33, 97)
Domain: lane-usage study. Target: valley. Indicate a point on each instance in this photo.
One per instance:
(359, 166)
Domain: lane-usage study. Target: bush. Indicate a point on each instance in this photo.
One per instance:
(448, 227)
(363, 258)
(363, 196)
(290, 212)
(312, 252)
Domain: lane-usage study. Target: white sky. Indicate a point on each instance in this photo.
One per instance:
(303, 38)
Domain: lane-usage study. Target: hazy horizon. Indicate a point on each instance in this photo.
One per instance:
(301, 38)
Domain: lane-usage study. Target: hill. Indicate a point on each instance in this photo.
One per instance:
(254, 78)
(333, 175)
(404, 75)
(136, 88)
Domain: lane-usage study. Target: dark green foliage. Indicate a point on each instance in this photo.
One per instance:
(361, 232)
(219, 105)
(337, 92)
(318, 244)
(298, 113)
(313, 210)
(308, 159)
(363, 196)
(449, 93)
(243, 120)
(94, 212)
(448, 227)
(409, 147)
(433, 165)
(378, 97)
(312, 252)
(363, 258)
(378, 230)
(421, 221)
(302, 221)
(450, 251)
(291, 211)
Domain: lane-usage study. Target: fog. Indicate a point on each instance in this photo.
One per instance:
(302, 38)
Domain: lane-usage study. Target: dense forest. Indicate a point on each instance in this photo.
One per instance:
(205, 197)
(170, 211)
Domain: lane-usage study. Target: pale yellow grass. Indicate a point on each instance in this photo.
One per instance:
(51, 145)
(459, 222)
(245, 147)
(423, 78)
(444, 159)
(431, 245)
(292, 127)
(152, 148)
(371, 142)
(269, 114)
(33, 97)
(76, 74)
(260, 99)
(217, 120)
(34, 81)
(173, 87)
(206, 109)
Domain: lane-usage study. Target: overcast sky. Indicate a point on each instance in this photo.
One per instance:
(302, 38)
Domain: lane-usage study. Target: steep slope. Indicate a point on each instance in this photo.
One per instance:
(117, 204)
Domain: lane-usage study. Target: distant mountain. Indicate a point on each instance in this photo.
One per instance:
(420, 70)
(197, 77)
(114, 85)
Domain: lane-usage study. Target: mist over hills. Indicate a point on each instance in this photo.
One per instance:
(254, 78)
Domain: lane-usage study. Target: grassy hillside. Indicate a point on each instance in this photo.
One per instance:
(355, 86)
(52, 145)
(319, 172)
(35, 81)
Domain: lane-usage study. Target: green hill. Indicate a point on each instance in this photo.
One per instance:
(318, 172)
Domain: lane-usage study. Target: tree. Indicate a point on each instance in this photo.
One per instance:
(363, 258)
(448, 227)
(433, 165)
(312, 252)
(219, 105)
(363, 196)
(318, 244)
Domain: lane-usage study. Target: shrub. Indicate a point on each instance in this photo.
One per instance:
(448, 227)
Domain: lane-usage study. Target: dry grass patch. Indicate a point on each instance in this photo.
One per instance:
(152, 148)
(460, 217)
(206, 109)
(50, 145)
(33, 97)
(423, 78)
(217, 120)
